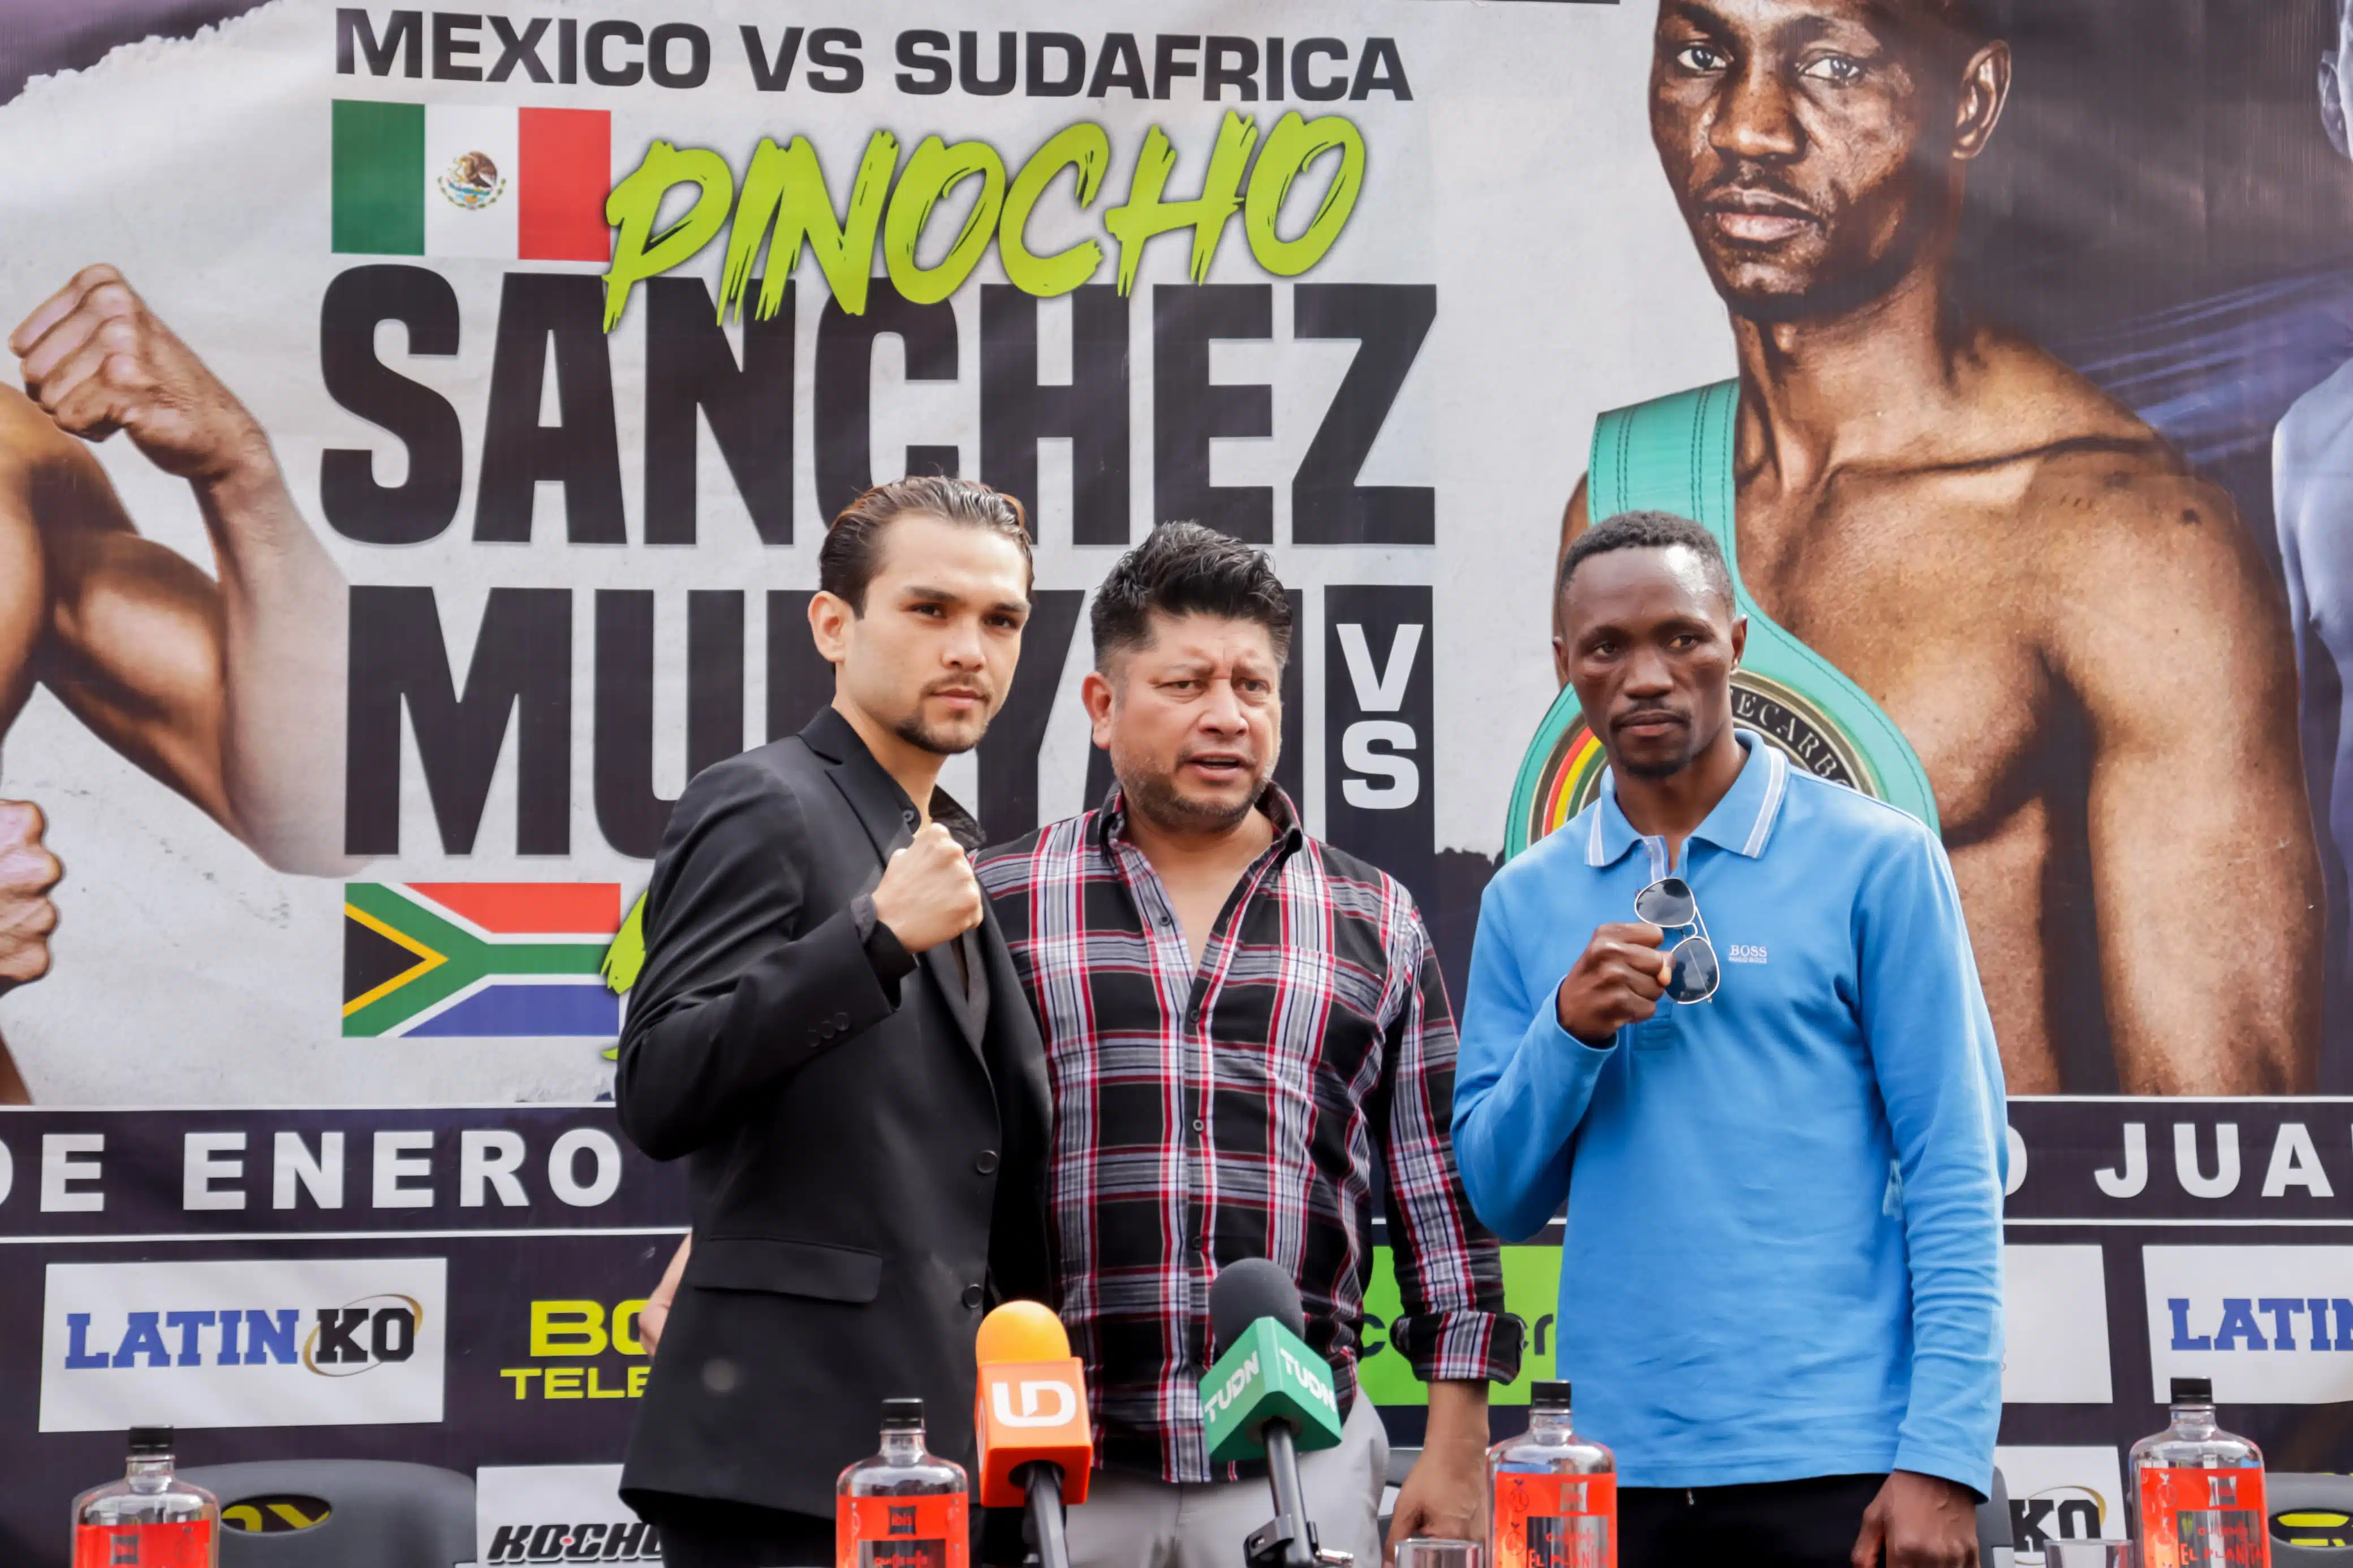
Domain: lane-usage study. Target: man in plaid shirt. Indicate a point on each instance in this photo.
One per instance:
(1241, 1024)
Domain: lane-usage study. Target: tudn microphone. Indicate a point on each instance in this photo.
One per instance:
(1030, 1411)
(1269, 1394)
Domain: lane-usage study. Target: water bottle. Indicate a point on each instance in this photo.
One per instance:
(2199, 1490)
(906, 1507)
(148, 1519)
(1556, 1493)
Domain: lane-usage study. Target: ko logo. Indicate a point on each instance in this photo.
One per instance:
(1044, 1403)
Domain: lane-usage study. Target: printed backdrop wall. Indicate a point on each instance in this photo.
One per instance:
(569, 325)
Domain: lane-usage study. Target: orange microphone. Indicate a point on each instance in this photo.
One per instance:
(1030, 1411)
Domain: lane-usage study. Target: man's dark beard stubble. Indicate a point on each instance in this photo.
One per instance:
(1164, 804)
(923, 738)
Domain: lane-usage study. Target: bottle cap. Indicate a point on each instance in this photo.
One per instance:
(902, 1414)
(1551, 1395)
(151, 1439)
(2193, 1391)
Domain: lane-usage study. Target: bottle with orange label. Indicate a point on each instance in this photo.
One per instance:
(906, 1507)
(1556, 1492)
(148, 1519)
(2199, 1490)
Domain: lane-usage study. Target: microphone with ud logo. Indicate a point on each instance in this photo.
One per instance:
(1030, 1412)
(1268, 1394)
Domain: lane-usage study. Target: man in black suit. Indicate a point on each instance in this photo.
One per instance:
(829, 1027)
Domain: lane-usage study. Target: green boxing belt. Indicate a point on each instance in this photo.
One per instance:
(1674, 454)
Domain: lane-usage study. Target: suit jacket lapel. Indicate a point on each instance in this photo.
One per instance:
(880, 805)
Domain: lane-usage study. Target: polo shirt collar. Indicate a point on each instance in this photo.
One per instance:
(1742, 821)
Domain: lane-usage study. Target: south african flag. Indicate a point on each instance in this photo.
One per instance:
(478, 960)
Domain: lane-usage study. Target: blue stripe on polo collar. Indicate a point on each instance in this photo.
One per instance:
(1742, 821)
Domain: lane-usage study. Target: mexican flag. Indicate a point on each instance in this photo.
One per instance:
(527, 184)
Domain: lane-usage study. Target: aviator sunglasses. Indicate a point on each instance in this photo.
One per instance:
(1668, 904)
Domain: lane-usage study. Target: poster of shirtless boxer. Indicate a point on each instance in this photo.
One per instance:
(335, 755)
(1978, 584)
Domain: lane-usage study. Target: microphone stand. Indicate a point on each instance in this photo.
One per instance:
(1288, 1539)
(1043, 1525)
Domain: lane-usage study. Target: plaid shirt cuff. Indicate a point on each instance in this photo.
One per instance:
(1461, 1347)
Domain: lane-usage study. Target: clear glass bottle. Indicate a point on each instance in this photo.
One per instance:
(1556, 1493)
(906, 1507)
(2197, 1490)
(150, 1516)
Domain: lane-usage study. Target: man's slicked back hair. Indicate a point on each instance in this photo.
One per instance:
(1649, 530)
(1184, 569)
(853, 552)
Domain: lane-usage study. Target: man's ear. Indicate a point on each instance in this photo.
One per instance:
(1096, 692)
(1559, 659)
(1985, 87)
(1739, 638)
(2332, 103)
(829, 618)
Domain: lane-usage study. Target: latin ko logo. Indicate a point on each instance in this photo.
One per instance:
(340, 1342)
(2269, 1325)
(265, 1343)
(1049, 1402)
(2059, 1494)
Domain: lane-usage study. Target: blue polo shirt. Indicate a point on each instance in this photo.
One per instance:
(1783, 1255)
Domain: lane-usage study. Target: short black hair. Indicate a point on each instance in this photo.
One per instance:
(1649, 530)
(1184, 569)
(852, 551)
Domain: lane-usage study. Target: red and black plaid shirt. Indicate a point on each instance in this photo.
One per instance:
(1235, 1110)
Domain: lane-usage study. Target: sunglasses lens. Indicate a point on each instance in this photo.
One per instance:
(1694, 976)
(1666, 902)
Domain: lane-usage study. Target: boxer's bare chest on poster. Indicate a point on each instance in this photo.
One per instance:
(1903, 587)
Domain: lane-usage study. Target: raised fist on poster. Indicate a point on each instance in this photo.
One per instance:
(27, 872)
(98, 360)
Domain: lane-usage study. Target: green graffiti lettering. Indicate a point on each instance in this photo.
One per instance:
(1290, 146)
(1084, 148)
(638, 253)
(1147, 214)
(784, 190)
(782, 206)
(937, 169)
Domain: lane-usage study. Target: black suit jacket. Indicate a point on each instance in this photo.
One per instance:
(867, 1173)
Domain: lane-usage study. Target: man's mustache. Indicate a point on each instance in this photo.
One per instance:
(1740, 185)
(1642, 715)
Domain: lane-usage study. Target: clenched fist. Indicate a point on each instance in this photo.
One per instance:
(928, 893)
(27, 872)
(97, 362)
(1617, 980)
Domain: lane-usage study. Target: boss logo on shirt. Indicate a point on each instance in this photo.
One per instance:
(1745, 953)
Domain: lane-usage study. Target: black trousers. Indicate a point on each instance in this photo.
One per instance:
(1774, 1524)
(704, 1532)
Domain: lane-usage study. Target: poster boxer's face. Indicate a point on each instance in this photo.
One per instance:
(1815, 145)
(1193, 720)
(930, 656)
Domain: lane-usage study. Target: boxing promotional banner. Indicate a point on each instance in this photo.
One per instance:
(464, 395)
(462, 1287)
(566, 333)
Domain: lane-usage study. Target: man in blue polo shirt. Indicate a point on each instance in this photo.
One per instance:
(1778, 1096)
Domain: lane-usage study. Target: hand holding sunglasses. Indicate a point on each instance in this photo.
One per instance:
(1628, 966)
